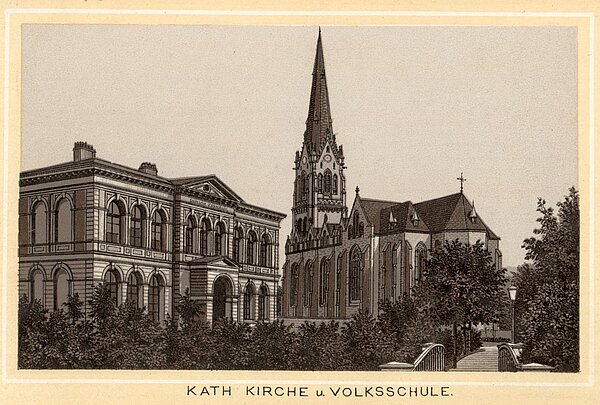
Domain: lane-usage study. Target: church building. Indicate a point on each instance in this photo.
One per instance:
(341, 260)
(148, 238)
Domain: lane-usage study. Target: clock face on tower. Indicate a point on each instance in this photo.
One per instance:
(327, 158)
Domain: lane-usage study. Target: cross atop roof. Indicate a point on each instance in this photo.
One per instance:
(462, 180)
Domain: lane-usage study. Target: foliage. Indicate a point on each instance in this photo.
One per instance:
(461, 286)
(547, 304)
(365, 343)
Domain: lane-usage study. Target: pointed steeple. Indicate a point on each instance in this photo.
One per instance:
(318, 122)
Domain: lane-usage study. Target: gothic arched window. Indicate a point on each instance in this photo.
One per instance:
(136, 233)
(327, 182)
(304, 181)
(308, 281)
(420, 257)
(294, 286)
(323, 282)
(320, 183)
(335, 184)
(356, 263)
(63, 226)
(407, 268)
(39, 224)
(113, 223)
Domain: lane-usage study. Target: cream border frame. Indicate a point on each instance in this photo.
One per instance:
(5, 217)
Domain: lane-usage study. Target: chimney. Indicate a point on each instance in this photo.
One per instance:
(149, 168)
(82, 151)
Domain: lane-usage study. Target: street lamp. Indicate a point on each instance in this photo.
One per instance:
(512, 293)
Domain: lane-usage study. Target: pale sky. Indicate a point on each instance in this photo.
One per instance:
(412, 106)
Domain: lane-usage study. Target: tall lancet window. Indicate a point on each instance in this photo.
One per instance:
(327, 182)
(335, 184)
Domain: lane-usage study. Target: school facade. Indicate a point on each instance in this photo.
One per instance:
(148, 238)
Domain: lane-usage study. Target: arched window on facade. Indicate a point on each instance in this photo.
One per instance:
(37, 286)
(39, 224)
(205, 229)
(263, 303)
(327, 182)
(190, 229)
(308, 284)
(112, 281)
(334, 183)
(62, 289)
(156, 298)
(138, 225)
(249, 302)
(294, 286)
(356, 263)
(383, 270)
(355, 223)
(420, 257)
(323, 282)
(220, 238)
(114, 219)
(395, 269)
(498, 259)
(338, 280)
(251, 248)
(320, 183)
(238, 244)
(158, 234)
(406, 271)
(265, 250)
(304, 181)
(63, 224)
(135, 290)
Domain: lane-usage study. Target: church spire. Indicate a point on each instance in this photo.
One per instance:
(318, 122)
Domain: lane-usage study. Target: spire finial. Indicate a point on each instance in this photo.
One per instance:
(357, 190)
(462, 180)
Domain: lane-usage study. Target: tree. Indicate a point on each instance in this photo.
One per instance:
(461, 286)
(365, 344)
(547, 305)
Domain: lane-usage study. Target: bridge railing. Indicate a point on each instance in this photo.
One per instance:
(507, 359)
(433, 358)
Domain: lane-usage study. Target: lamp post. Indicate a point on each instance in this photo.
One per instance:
(512, 293)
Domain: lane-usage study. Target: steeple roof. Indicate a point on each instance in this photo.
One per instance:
(318, 122)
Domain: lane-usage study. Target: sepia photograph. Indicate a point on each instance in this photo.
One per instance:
(197, 197)
(237, 205)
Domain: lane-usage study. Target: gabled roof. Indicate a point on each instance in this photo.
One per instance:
(451, 213)
(214, 260)
(213, 185)
(372, 209)
(403, 214)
